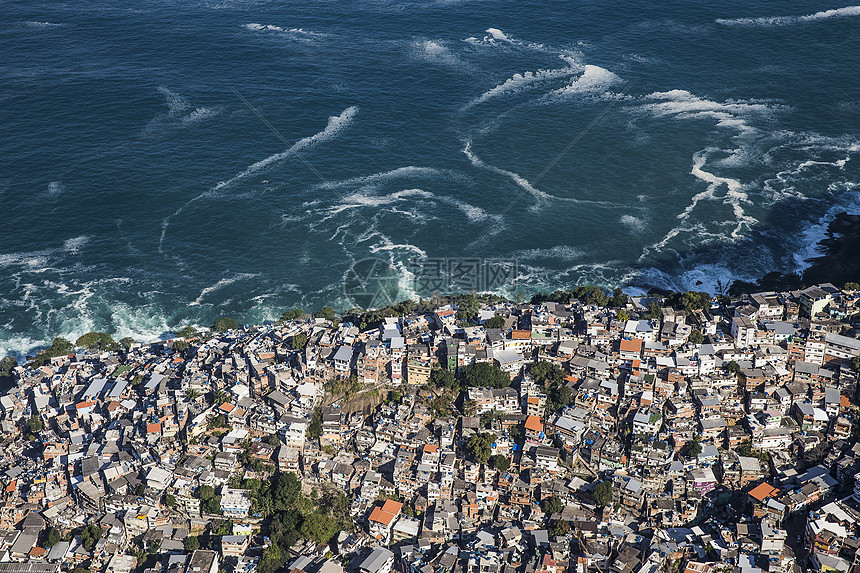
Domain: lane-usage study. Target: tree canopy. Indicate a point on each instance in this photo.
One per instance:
(479, 446)
(484, 375)
(603, 493)
(495, 322)
(224, 324)
(552, 504)
(292, 314)
(500, 463)
(99, 341)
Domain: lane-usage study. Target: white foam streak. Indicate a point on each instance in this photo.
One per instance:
(526, 80)
(335, 125)
(593, 79)
(848, 11)
(221, 284)
(363, 199)
(734, 193)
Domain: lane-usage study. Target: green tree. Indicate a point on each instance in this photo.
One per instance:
(35, 424)
(224, 324)
(127, 342)
(733, 367)
(139, 489)
(479, 446)
(7, 365)
(484, 375)
(170, 500)
(220, 397)
(654, 310)
(467, 308)
(855, 363)
(315, 427)
(603, 493)
(90, 535)
(443, 378)
(696, 337)
(495, 322)
(299, 341)
(500, 463)
(272, 440)
(619, 299)
(689, 300)
(100, 341)
(292, 314)
(180, 346)
(623, 316)
(560, 527)
(53, 537)
(552, 504)
(546, 373)
(205, 492)
(695, 447)
(591, 295)
(191, 543)
(327, 313)
(851, 287)
(187, 332)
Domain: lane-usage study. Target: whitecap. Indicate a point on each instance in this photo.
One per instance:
(593, 79)
(847, 11)
(524, 81)
(221, 284)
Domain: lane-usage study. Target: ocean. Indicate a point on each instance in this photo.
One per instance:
(166, 163)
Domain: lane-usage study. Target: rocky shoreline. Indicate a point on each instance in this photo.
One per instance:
(840, 261)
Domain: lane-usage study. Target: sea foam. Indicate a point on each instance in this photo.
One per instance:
(847, 11)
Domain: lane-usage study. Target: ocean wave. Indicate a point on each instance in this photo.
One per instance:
(561, 252)
(847, 11)
(593, 79)
(409, 171)
(221, 284)
(734, 196)
(55, 188)
(365, 199)
(730, 113)
(521, 181)
(43, 24)
(34, 260)
(436, 52)
(635, 224)
(524, 81)
(291, 33)
(334, 126)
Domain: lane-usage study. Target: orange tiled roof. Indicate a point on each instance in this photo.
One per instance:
(533, 423)
(521, 334)
(632, 345)
(763, 491)
(153, 428)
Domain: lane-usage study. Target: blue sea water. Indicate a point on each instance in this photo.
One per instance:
(671, 144)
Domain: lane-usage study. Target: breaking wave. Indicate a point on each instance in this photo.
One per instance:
(848, 11)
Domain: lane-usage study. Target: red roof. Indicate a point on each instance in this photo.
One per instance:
(632, 345)
(153, 428)
(533, 423)
(386, 514)
(521, 334)
(432, 448)
(763, 491)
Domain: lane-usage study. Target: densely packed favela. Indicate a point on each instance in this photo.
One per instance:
(581, 432)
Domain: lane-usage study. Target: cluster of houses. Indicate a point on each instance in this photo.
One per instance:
(708, 439)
